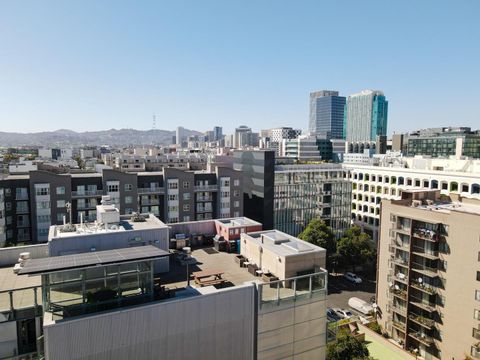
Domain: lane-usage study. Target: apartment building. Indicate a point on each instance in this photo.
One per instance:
(156, 162)
(305, 192)
(372, 184)
(31, 203)
(428, 277)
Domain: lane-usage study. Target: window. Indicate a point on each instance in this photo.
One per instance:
(236, 182)
(236, 214)
(186, 207)
(43, 204)
(42, 190)
(174, 219)
(186, 196)
(476, 314)
(8, 191)
(225, 194)
(478, 275)
(173, 209)
(128, 210)
(236, 192)
(172, 197)
(236, 204)
(60, 217)
(60, 203)
(173, 185)
(186, 218)
(112, 188)
(128, 187)
(21, 193)
(128, 199)
(186, 184)
(60, 190)
(43, 218)
(477, 295)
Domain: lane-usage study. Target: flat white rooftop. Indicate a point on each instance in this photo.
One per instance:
(240, 221)
(94, 228)
(281, 244)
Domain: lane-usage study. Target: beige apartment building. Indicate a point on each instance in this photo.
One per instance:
(428, 289)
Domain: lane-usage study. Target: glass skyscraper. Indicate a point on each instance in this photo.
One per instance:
(365, 116)
(326, 114)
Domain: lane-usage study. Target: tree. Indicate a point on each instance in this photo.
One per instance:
(355, 248)
(320, 234)
(347, 347)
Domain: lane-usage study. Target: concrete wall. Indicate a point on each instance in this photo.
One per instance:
(212, 326)
(8, 339)
(9, 256)
(293, 330)
(206, 227)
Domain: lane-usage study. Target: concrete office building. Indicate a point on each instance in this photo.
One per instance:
(428, 274)
(31, 203)
(179, 136)
(365, 116)
(167, 319)
(217, 133)
(372, 184)
(244, 137)
(303, 148)
(305, 192)
(326, 114)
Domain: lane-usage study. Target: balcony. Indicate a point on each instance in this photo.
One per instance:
(424, 252)
(400, 245)
(149, 202)
(402, 294)
(151, 190)
(425, 270)
(19, 197)
(399, 325)
(425, 234)
(422, 321)
(421, 337)
(22, 210)
(204, 198)
(399, 261)
(402, 310)
(206, 188)
(401, 277)
(204, 210)
(476, 333)
(87, 193)
(424, 305)
(423, 287)
(23, 224)
(475, 351)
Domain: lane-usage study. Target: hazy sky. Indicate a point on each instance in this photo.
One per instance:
(89, 65)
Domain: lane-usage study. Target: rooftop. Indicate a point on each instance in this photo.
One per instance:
(282, 244)
(125, 224)
(239, 221)
(83, 260)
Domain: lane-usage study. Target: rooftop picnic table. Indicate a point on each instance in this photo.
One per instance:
(202, 277)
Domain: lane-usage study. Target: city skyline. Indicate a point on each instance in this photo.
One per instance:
(231, 64)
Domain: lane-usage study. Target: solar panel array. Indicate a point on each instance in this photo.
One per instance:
(56, 263)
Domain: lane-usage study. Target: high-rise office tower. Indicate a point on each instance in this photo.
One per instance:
(365, 116)
(326, 114)
(217, 133)
(180, 135)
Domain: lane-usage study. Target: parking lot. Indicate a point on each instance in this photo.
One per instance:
(340, 290)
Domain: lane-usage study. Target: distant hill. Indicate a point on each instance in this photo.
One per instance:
(113, 137)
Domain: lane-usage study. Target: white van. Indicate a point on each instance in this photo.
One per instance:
(360, 305)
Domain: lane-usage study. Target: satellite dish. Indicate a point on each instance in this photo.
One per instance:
(397, 287)
(420, 280)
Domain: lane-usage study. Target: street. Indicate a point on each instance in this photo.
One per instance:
(340, 290)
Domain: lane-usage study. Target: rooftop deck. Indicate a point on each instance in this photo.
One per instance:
(21, 298)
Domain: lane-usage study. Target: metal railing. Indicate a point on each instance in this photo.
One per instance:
(87, 193)
(154, 190)
(16, 299)
(206, 188)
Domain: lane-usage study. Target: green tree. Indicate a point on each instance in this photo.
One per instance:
(355, 248)
(347, 347)
(320, 234)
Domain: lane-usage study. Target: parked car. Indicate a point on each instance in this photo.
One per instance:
(360, 305)
(353, 278)
(344, 314)
(332, 315)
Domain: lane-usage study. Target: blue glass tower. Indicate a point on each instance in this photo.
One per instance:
(326, 114)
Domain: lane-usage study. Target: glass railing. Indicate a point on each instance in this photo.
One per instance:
(293, 289)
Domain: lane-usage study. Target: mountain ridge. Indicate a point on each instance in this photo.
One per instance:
(112, 137)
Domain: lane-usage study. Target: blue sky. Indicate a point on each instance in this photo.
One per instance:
(90, 65)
